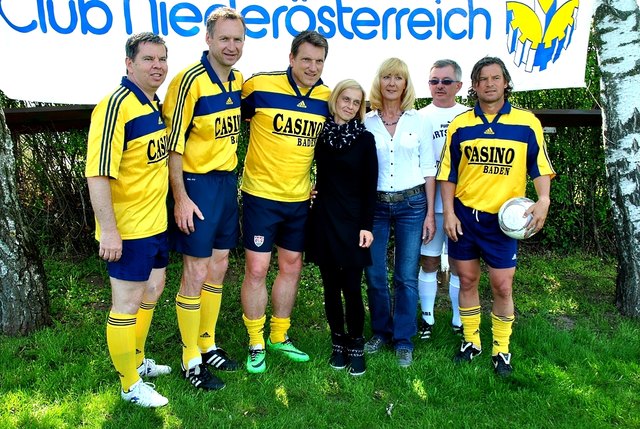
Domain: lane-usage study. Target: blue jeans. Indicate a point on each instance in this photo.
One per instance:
(393, 317)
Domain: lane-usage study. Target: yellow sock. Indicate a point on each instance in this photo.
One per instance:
(255, 329)
(188, 314)
(501, 328)
(121, 340)
(470, 318)
(143, 322)
(279, 328)
(211, 298)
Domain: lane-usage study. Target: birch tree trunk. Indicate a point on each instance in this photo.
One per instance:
(617, 34)
(24, 299)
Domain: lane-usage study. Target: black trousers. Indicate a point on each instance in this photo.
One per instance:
(347, 282)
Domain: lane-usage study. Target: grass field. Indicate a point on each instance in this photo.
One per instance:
(576, 363)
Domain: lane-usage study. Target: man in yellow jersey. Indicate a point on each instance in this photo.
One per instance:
(287, 111)
(127, 175)
(488, 154)
(202, 111)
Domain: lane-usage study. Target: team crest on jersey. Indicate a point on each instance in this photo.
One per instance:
(258, 240)
(539, 31)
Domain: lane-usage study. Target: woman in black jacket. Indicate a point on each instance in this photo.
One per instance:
(341, 219)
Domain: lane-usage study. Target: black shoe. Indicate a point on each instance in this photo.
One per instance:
(357, 364)
(502, 364)
(201, 378)
(425, 330)
(219, 359)
(339, 358)
(466, 353)
(457, 330)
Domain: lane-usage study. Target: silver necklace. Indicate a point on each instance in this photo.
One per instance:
(390, 124)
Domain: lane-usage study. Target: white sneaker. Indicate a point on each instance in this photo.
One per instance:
(149, 368)
(144, 395)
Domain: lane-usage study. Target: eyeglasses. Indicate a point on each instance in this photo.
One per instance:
(446, 82)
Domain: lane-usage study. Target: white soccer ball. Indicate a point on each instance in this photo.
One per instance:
(511, 217)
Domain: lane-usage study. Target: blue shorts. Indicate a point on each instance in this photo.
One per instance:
(267, 222)
(438, 245)
(216, 195)
(139, 257)
(482, 239)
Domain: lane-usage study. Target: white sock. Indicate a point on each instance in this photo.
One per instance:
(454, 291)
(427, 288)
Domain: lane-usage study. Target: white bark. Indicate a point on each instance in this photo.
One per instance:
(617, 33)
(24, 303)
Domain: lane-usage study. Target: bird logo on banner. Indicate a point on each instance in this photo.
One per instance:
(539, 35)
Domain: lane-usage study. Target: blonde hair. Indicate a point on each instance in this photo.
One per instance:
(393, 66)
(339, 89)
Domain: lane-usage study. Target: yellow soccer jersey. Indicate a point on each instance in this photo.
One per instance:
(128, 144)
(203, 118)
(285, 124)
(489, 157)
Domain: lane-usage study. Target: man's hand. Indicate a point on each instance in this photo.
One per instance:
(539, 212)
(183, 213)
(452, 226)
(110, 246)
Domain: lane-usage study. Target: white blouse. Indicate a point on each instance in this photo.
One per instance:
(407, 157)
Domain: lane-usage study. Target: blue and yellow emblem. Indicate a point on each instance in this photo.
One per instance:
(539, 35)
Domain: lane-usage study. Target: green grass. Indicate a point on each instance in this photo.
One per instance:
(576, 363)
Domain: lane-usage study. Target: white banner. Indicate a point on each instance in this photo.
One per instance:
(72, 51)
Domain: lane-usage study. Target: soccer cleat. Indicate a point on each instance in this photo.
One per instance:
(219, 359)
(425, 330)
(374, 345)
(502, 364)
(144, 395)
(256, 361)
(457, 330)
(201, 378)
(405, 357)
(289, 350)
(149, 368)
(466, 353)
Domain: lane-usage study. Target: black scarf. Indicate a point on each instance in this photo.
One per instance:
(341, 136)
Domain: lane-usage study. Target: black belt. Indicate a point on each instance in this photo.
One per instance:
(395, 197)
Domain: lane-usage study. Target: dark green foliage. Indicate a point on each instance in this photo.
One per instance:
(580, 215)
(53, 190)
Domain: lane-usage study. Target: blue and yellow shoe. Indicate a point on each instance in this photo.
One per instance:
(289, 350)
(256, 361)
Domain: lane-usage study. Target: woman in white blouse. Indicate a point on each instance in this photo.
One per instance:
(406, 191)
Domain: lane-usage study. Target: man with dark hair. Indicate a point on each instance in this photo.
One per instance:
(287, 111)
(488, 153)
(202, 110)
(127, 175)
